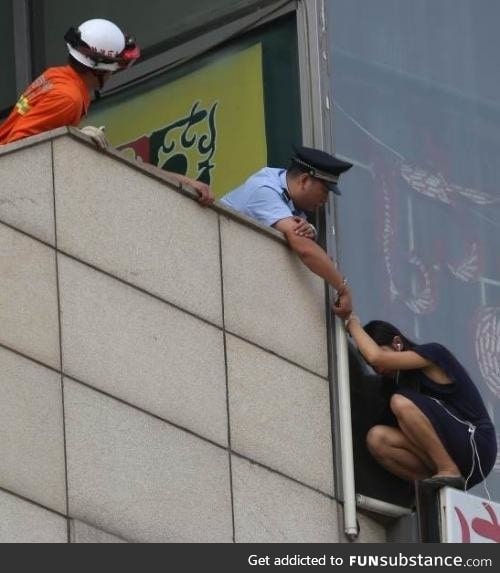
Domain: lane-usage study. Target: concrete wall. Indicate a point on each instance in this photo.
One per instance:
(163, 367)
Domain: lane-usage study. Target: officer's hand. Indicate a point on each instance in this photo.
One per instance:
(342, 307)
(204, 191)
(304, 228)
(97, 135)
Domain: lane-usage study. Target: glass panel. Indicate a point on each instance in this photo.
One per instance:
(157, 22)
(416, 102)
(7, 62)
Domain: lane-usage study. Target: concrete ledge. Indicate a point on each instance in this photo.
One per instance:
(36, 139)
(146, 169)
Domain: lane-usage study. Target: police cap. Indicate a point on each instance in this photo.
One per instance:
(321, 165)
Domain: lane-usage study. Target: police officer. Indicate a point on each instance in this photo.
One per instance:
(279, 198)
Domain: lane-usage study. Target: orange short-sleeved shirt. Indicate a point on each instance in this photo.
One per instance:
(59, 97)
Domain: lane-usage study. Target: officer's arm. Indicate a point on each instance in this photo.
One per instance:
(206, 196)
(310, 253)
(316, 260)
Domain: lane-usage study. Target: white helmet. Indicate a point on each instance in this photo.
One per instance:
(100, 45)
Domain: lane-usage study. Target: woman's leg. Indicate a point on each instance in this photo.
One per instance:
(392, 450)
(421, 433)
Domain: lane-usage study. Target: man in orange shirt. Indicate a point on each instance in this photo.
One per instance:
(61, 95)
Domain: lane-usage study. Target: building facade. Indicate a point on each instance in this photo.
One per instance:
(407, 94)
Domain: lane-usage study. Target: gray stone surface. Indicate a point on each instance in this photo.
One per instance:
(270, 508)
(33, 140)
(140, 478)
(280, 415)
(142, 350)
(271, 298)
(23, 522)
(403, 529)
(82, 533)
(26, 191)
(31, 431)
(28, 297)
(137, 228)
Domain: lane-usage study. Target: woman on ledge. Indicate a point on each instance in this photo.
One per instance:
(443, 434)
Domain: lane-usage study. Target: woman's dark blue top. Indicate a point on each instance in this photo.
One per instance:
(453, 409)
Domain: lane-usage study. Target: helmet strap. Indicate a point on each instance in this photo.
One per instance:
(99, 75)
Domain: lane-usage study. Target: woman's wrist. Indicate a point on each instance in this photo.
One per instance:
(350, 318)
